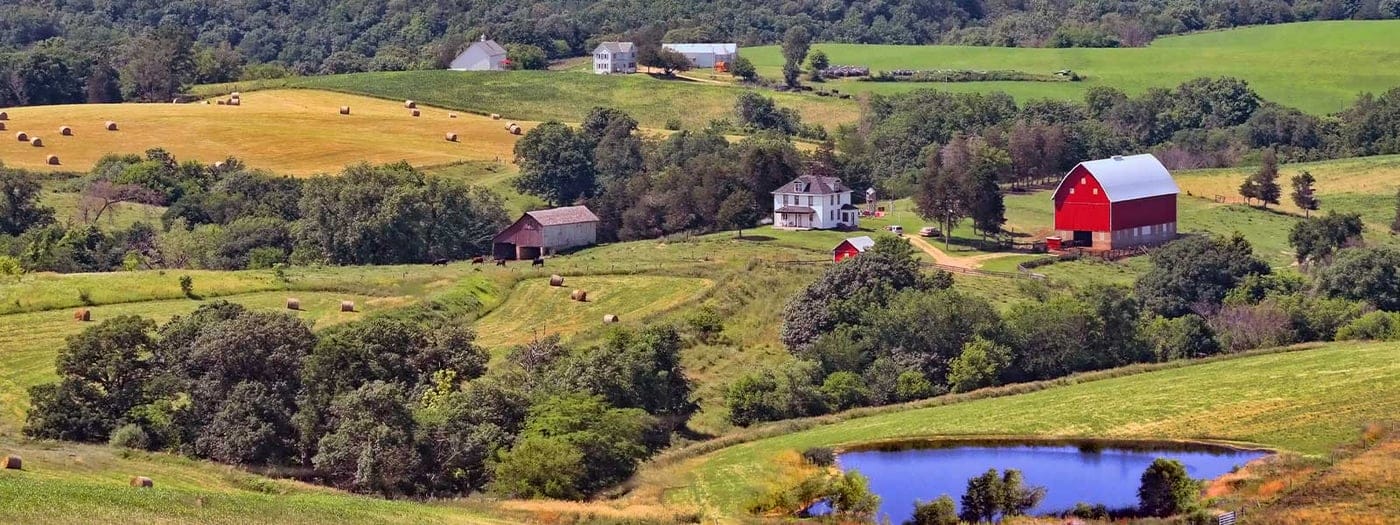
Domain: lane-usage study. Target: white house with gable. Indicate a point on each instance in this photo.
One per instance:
(615, 58)
(812, 202)
(706, 55)
(482, 55)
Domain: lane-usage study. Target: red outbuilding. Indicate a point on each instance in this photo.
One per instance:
(1115, 203)
(851, 247)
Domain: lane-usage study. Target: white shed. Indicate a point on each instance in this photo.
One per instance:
(706, 55)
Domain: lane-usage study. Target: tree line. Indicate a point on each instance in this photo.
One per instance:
(394, 405)
(876, 329)
(227, 216)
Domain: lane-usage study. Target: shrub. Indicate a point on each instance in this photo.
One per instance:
(912, 385)
(980, 364)
(1166, 489)
(845, 390)
(707, 324)
(10, 266)
(941, 511)
(187, 286)
(130, 436)
(85, 297)
(819, 456)
(673, 124)
(1375, 326)
(265, 257)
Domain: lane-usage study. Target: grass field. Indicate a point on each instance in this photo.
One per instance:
(1317, 67)
(557, 95)
(297, 132)
(1303, 401)
(1364, 185)
(536, 309)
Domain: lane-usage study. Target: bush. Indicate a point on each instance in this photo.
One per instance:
(130, 436)
(1375, 326)
(941, 511)
(980, 365)
(912, 385)
(1166, 489)
(10, 266)
(845, 390)
(819, 456)
(673, 124)
(265, 257)
(187, 286)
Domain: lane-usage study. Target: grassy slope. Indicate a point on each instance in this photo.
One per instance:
(551, 95)
(1364, 185)
(1318, 67)
(1306, 401)
(288, 131)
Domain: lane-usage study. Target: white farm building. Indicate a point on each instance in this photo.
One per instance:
(706, 55)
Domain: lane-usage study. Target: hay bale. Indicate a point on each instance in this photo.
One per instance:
(347, 306)
(14, 463)
(22, 136)
(4, 115)
(142, 482)
(451, 137)
(36, 142)
(82, 314)
(221, 102)
(2, 126)
(219, 165)
(414, 112)
(293, 303)
(610, 318)
(52, 160)
(234, 102)
(235, 94)
(556, 280)
(65, 131)
(111, 126)
(409, 104)
(509, 125)
(451, 115)
(344, 110)
(495, 116)
(579, 295)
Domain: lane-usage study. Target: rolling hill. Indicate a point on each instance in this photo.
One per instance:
(1317, 67)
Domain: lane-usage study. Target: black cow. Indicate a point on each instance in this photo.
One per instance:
(539, 261)
(440, 262)
(500, 262)
(478, 259)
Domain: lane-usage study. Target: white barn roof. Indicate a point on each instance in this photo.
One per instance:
(1131, 177)
(718, 49)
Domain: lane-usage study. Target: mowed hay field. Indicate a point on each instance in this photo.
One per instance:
(536, 310)
(1317, 67)
(297, 132)
(1306, 401)
(1364, 185)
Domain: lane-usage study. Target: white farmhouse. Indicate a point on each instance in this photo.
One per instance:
(812, 202)
(482, 55)
(706, 55)
(615, 57)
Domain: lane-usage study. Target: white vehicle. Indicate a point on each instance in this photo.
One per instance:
(897, 229)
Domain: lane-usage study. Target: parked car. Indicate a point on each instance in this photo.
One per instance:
(897, 229)
(929, 231)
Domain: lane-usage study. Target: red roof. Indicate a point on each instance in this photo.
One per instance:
(565, 215)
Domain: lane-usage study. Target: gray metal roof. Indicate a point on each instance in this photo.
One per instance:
(615, 47)
(490, 46)
(861, 243)
(813, 185)
(565, 215)
(718, 49)
(1129, 178)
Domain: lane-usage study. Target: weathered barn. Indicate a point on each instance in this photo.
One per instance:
(1116, 203)
(851, 247)
(545, 232)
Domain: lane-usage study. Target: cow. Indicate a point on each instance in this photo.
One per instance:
(440, 262)
(500, 262)
(539, 261)
(478, 259)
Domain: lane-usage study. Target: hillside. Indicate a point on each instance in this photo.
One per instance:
(1317, 67)
(297, 132)
(1330, 392)
(552, 95)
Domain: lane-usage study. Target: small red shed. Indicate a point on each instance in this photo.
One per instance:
(1119, 202)
(851, 247)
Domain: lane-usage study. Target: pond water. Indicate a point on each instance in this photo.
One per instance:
(1094, 473)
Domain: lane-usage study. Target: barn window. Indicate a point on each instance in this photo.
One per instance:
(1071, 191)
(1096, 191)
(1084, 180)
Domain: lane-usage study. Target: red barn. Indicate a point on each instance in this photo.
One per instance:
(851, 247)
(1117, 203)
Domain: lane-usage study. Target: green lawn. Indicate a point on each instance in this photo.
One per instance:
(1304, 401)
(556, 95)
(1318, 67)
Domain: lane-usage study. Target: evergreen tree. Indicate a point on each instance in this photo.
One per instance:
(940, 197)
(984, 200)
(1304, 196)
(1266, 180)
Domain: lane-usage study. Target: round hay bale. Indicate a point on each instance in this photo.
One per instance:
(4, 115)
(556, 280)
(410, 104)
(344, 110)
(451, 115)
(22, 136)
(142, 482)
(451, 137)
(495, 116)
(13, 462)
(52, 160)
(235, 94)
(293, 303)
(414, 112)
(36, 142)
(347, 306)
(219, 165)
(234, 102)
(610, 318)
(111, 126)
(2, 126)
(65, 131)
(579, 295)
(516, 130)
(82, 314)
(221, 102)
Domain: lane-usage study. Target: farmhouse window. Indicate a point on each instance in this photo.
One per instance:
(809, 200)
